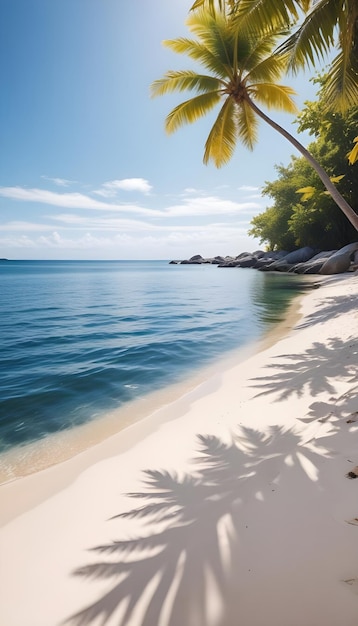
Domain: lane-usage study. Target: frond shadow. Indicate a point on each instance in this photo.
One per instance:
(190, 527)
(315, 370)
(343, 407)
(331, 308)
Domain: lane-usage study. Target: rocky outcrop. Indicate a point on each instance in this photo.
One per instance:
(305, 260)
(340, 261)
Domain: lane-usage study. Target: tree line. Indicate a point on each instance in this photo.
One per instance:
(302, 212)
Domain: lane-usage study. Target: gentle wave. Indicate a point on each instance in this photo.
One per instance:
(82, 338)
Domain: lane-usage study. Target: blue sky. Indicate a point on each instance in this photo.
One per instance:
(87, 171)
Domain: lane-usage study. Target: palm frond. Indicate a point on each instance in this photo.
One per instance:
(183, 80)
(274, 96)
(212, 4)
(191, 110)
(247, 125)
(220, 144)
(315, 36)
(264, 15)
(201, 22)
(263, 45)
(199, 4)
(341, 88)
(348, 28)
(215, 34)
(270, 68)
(198, 52)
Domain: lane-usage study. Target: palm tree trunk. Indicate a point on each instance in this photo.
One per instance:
(331, 188)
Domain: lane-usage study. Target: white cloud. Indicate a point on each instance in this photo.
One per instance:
(77, 224)
(24, 226)
(181, 242)
(210, 205)
(111, 188)
(191, 191)
(81, 226)
(100, 223)
(61, 182)
(17, 242)
(190, 207)
(248, 188)
(69, 200)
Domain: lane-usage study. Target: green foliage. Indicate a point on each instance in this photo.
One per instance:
(302, 212)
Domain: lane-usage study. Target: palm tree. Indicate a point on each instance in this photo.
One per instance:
(327, 24)
(243, 72)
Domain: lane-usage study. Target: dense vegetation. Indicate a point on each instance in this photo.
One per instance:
(311, 217)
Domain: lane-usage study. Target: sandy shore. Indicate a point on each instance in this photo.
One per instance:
(229, 507)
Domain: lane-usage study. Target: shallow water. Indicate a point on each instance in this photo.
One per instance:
(82, 338)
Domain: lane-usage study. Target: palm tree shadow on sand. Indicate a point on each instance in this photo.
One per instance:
(343, 407)
(316, 369)
(184, 566)
(332, 308)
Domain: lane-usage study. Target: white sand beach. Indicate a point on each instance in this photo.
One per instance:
(229, 507)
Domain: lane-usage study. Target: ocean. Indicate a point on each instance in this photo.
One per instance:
(82, 338)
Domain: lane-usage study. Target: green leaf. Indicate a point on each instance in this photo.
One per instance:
(221, 141)
(274, 96)
(353, 154)
(336, 179)
(341, 89)
(190, 111)
(314, 37)
(307, 193)
(182, 80)
(247, 125)
(258, 16)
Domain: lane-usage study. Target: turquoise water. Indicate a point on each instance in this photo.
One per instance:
(82, 338)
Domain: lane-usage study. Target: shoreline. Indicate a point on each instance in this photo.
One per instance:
(22, 461)
(241, 494)
(101, 438)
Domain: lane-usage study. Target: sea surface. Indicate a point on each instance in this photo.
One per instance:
(81, 338)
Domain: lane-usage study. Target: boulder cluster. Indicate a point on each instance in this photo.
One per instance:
(302, 261)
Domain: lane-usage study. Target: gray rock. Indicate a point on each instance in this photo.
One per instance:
(351, 247)
(247, 261)
(313, 265)
(337, 264)
(230, 264)
(340, 261)
(287, 262)
(323, 255)
(278, 254)
(299, 256)
(190, 262)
